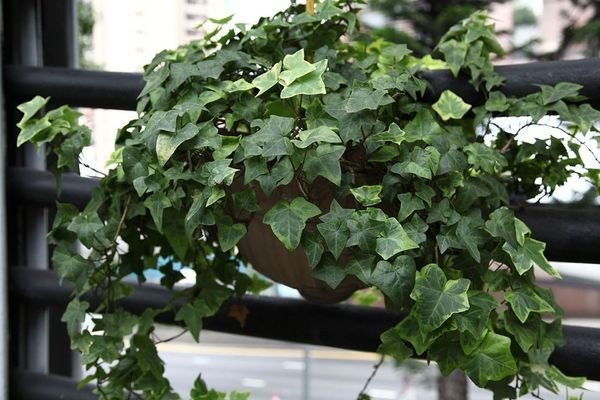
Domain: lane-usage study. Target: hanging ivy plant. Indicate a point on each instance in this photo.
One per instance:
(262, 124)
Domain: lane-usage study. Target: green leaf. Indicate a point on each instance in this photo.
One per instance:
(421, 127)
(167, 144)
(192, 314)
(367, 195)
(245, 200)
(454, 54)
(336, 236)
(85, 226)
(501, 224)
(476, 317)
(147, 356)
(421, 162)
(271, 140)
(529, 254)
(309, 84)
(267, 80)
(74, 315)
(363, 98)
(313, 248)
(560, 91)
(524, 301)
(526, 333)
(409, 329)
(491, 361)
(394, 240)
(30, 108)
(393, 345)
(228, 233)
(485, 158)
(295, 67)
(288, 219)
(497, 102)
(437, 298)
(409, 203)
(156, 203)
(30, 130)
(450, 106)
(321, 134)
(324, 161)
(470, 237)
(329, 272)
(396, 280)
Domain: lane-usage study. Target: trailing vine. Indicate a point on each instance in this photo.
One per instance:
(420, 193)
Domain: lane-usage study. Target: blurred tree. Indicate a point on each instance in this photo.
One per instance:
(86, 21)
(427, 20)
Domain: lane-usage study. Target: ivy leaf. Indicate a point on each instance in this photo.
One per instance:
(324, 161)
(560, 91)
(470, 237)
(245, 200)
(312, 248)
(485, 158)
(363, 98)
(367, 195)
(267, 80)
(74, 315)
(30, 130)
(295, 67)
(288, 219)
(393, 345)
(394, 240)
(396, 280)
(336, 236)
(501, 224)
(309, 84)
(85, 226)
(167, 144)
(421, 127)
(409, 203)
(365, 226)
(529, 254)
(409, 329)
(147, 356)
(437, 298)
(526, 333)
(454, 54)
(321, 134)
(329, 272)
(491, 361)
(497, 102)
(228, 233)
(524, 300)
(156, 203)
(450, 106)
(192, 314)
(30, 109)
(422, 162)
(476, 317)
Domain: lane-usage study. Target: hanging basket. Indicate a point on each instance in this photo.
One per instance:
(268, 256)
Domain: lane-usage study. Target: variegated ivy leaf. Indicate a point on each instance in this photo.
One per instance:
(309, 84)
(451, 106)
(288, 219)
(367, 195)
(438, 298)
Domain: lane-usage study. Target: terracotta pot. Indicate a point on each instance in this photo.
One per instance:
(268, 255)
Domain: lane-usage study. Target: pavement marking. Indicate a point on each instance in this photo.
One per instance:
(274, 352)
(254, 383)
(293, 365)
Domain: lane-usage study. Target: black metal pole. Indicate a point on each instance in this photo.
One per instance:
(118, 90)
(571, 234)
(297, 320)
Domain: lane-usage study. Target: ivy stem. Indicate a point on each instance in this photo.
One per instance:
(375, 369)
(310, 7)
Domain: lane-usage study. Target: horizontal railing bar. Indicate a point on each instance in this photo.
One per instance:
(27, 385)
(342, 326)
(571, 234)
(118, 90)
(76, 87)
